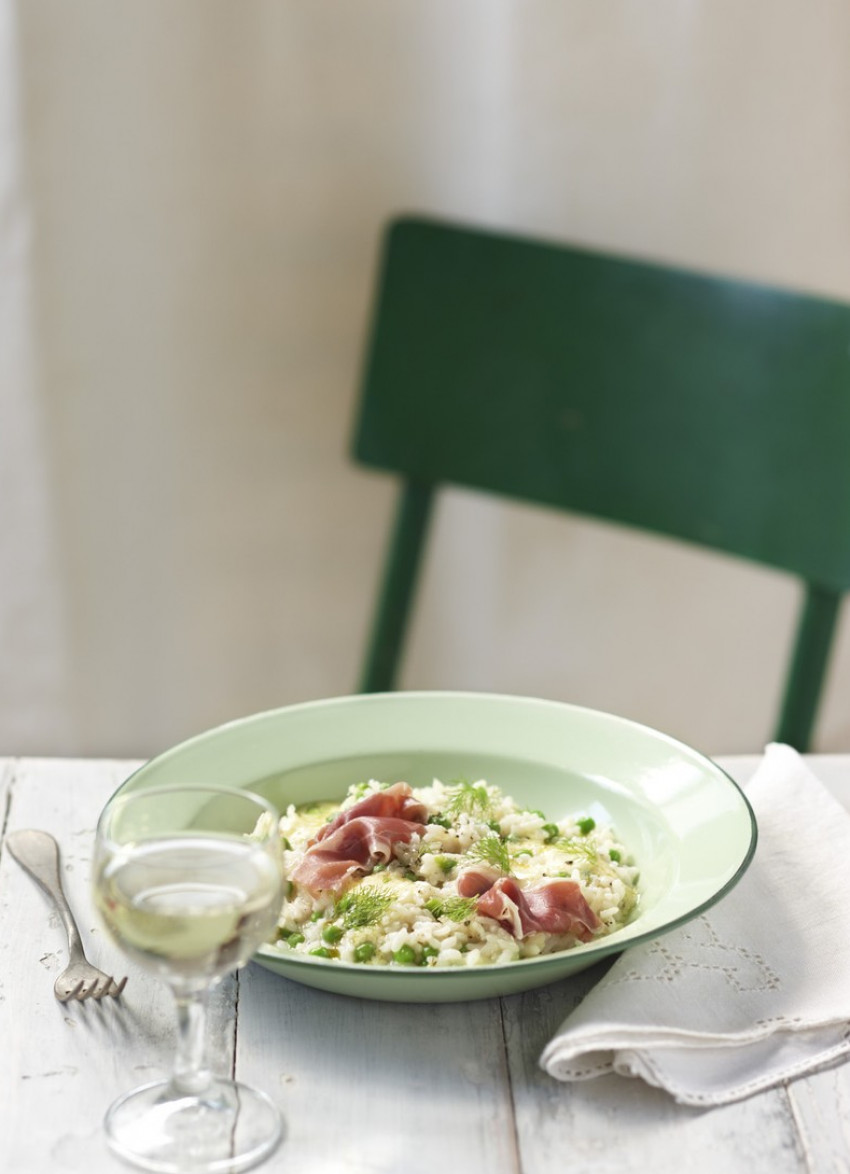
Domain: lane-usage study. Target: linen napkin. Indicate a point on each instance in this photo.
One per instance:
(751, 993)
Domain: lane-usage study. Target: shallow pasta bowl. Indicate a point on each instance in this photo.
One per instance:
(688, 825)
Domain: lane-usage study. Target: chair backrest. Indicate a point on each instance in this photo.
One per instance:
(715, 411)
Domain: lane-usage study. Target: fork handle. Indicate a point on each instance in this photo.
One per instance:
(38, 853)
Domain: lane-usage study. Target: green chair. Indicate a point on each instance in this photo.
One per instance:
(710, 410)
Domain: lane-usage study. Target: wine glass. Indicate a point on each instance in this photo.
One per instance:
(188, 881)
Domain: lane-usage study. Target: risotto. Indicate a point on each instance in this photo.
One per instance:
(446, 875)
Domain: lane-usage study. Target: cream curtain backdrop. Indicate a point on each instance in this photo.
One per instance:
(191, 195)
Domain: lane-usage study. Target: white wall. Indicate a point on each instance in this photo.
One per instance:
(190, 199)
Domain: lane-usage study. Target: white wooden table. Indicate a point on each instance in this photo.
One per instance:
(365, 1088)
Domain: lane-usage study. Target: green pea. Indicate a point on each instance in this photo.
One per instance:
(364, 952)
(405, 956)
(429, 952)
(586, 825)
(410, 874)
(551, 831)
(380, 867)
(295, 938)
(322, 952)
(332, 933)
(615, 856)
(445, 863)
(440, 820)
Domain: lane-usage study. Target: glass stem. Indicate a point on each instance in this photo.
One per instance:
(191, 1074)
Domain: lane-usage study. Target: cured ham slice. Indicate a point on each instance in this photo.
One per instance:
(554, 907)
(355, 845)
(472, 882)
(396, 802)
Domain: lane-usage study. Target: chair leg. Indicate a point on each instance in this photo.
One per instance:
(398, 588)
(808, 666)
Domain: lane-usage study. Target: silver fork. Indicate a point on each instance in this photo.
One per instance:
(38, 853)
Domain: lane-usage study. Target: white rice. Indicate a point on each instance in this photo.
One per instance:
(403, 930)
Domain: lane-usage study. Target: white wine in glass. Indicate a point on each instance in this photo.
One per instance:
(188, 881)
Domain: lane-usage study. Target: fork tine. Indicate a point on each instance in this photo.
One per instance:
(117, 987)
(73, 993)
(111, 988)
(101, 988)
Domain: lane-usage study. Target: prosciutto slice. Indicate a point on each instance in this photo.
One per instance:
(553, 907)
(396, 802)
(359, 838)
(474, 881)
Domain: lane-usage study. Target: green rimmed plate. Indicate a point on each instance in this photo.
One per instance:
(688, 824)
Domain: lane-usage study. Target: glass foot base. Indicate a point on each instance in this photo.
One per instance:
(226, 1128)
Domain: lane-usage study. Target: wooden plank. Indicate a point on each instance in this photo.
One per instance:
(64, 1064)
(7, 766)
(821, 1107)
(616, 1124)
(377, 1088)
